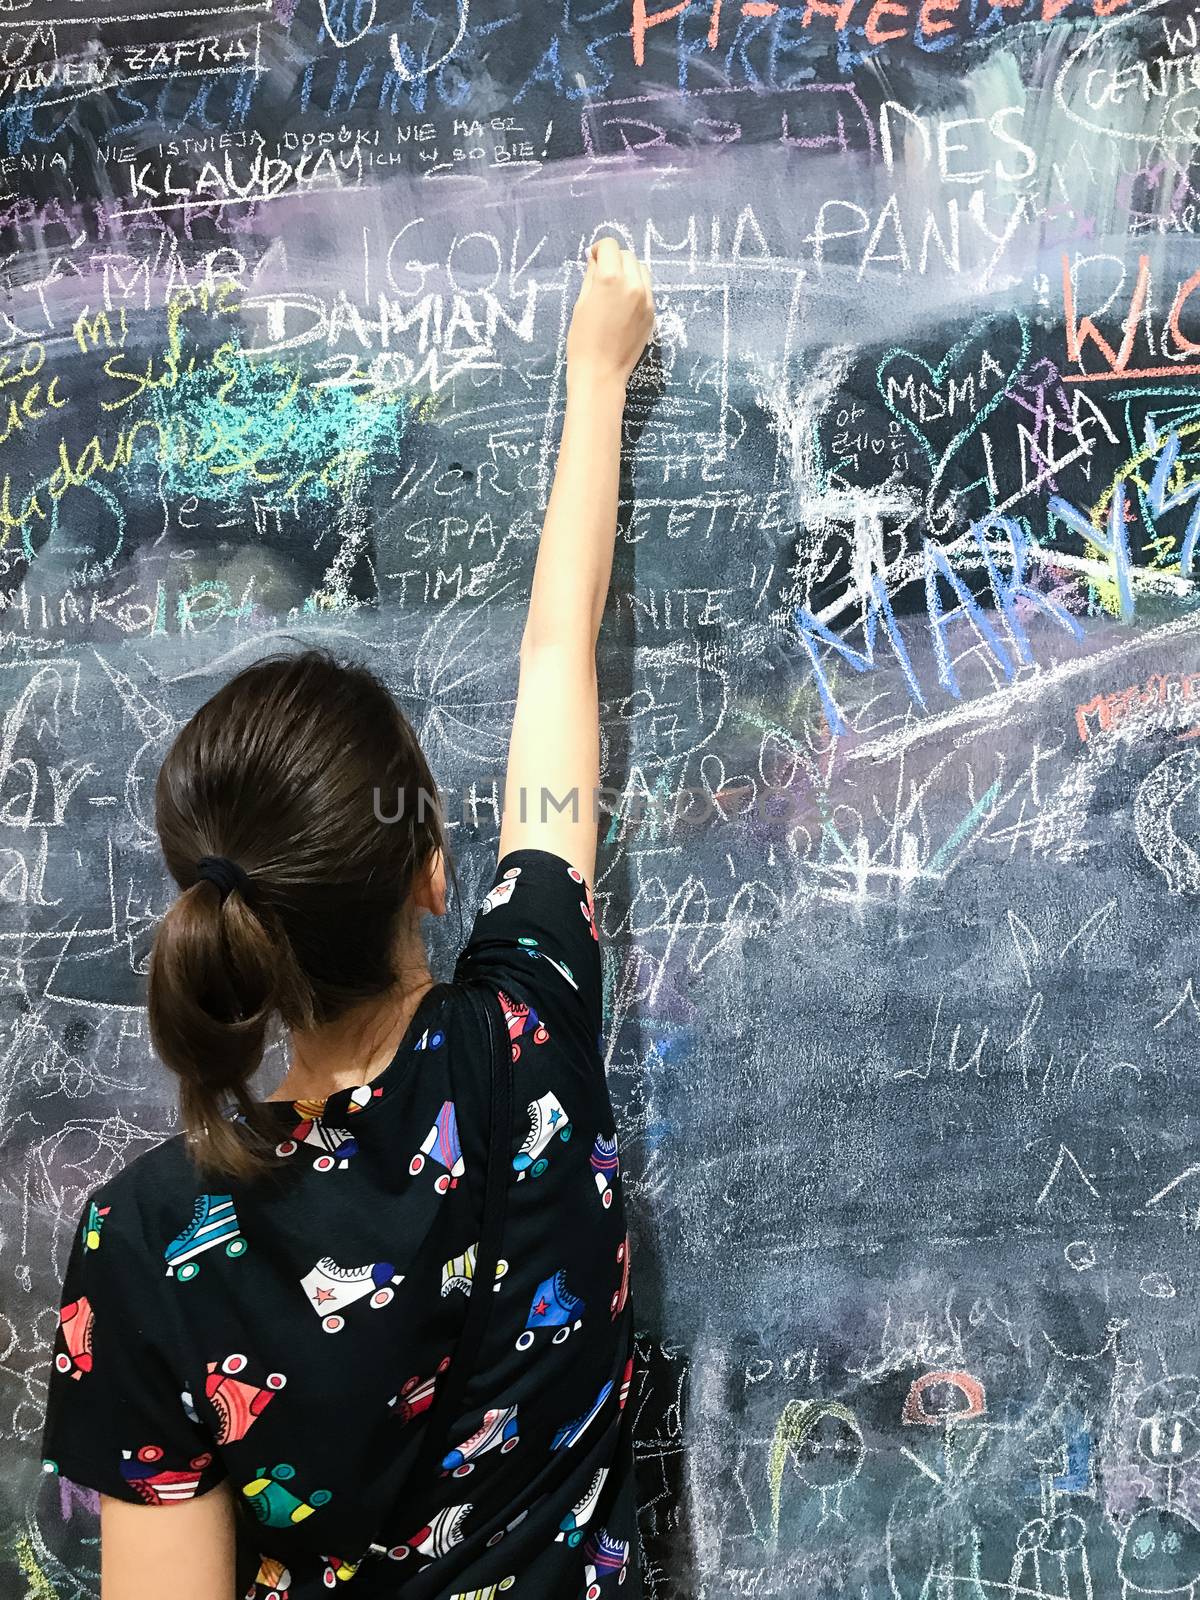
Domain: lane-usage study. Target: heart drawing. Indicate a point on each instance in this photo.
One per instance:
(943, 405)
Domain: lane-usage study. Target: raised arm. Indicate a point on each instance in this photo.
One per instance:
(554, 750)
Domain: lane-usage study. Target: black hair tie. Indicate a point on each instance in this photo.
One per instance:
(226, 874)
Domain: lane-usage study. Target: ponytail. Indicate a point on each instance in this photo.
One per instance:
(219, 975)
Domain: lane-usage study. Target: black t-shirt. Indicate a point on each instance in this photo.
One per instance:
(289, 1334)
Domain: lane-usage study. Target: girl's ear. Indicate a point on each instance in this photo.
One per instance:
(429, 887)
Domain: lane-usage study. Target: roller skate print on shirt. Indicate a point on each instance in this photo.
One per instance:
(587, 906)
(336, 1145)
(508, 1528)
(92, 1225)
(237, 1402)
(330, 1289)
(488, 1592)
(276, 1506)
(604, 1556)
(214, 1224)
(75, 1321)
(522, 1022)
(626, 1380)
(161, 1486)
(546, 1118)
(441, 1145)
(272, 1581)
(459, 1272)
(438, 1536)
(498, 1431)
(571, 1528)
(500, 893)
(621, 1292)
(606, 1168)
(574, 1431)
(335, 1570)
(416, 1394)
(553, 1306)
(536, 953)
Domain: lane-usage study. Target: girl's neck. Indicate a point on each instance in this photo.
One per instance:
(355, 1048)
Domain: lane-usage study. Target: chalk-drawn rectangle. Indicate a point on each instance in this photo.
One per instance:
(810, 116)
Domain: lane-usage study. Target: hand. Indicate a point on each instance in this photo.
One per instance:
(613, 318)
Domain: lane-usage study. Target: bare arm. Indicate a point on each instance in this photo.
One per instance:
(185, 1550)
(554, 748)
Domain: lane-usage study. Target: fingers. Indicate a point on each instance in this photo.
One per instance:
(631, 271)
(610, 264)
(606, 255)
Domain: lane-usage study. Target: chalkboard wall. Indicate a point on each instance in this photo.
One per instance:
(900, 679)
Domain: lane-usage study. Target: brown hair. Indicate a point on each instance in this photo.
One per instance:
(286, 771)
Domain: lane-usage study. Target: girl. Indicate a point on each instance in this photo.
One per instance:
(264, 1362)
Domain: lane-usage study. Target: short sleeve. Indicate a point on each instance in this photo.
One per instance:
(117, 1414)
(535, 936)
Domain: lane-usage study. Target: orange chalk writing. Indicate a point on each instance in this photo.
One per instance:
(643, 21)
(1106, 711)
(885, 8)
(823, 8)
(1080, 330)
(1182, 342)
(928, 8)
